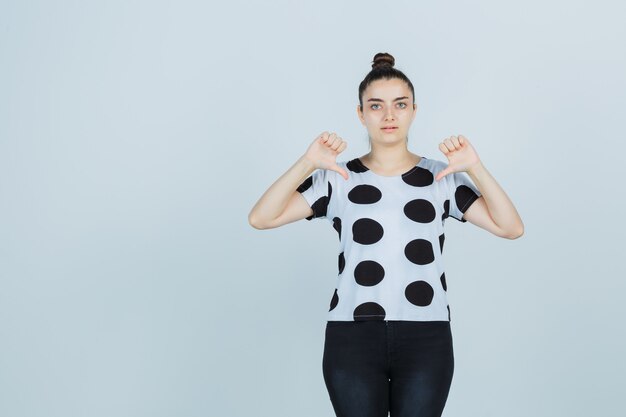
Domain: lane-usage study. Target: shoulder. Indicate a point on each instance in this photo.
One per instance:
(433, 165)
(351, 166)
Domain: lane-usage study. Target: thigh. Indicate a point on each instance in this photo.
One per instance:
(422, 369)
(355, 368)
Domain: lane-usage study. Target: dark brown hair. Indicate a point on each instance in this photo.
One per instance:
(382, 68)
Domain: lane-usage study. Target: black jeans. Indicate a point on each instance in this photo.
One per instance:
(372, 367)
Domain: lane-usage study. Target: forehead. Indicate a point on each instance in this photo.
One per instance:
(387, 89)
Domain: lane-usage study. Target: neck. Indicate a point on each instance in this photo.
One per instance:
(389, 156)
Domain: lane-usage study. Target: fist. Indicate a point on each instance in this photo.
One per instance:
(460, 153)
(324, 150)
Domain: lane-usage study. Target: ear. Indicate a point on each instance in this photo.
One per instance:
(359, 113)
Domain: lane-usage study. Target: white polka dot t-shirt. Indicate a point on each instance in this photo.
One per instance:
(391, 235)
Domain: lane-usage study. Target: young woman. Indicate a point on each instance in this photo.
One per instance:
(388, 342)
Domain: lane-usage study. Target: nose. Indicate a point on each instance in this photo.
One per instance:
(389, 114)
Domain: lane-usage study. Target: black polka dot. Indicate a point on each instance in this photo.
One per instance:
(356, 166)
(442, 238)
(369, 311)
(419, 251)
(418, 177)
(367, 231)
(320, 207)
(334, 301)
(364, 194)
(337, 226)
(420, 210)
(464, 196)
(306, 184)
(443, 281)
(419, 293)
(448, 312)
(342, 262)
(446, 210)
(368, 273)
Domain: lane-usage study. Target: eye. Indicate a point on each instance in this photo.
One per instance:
(374, 105)
(404, 104)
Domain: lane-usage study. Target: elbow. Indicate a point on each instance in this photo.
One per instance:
(517, 234)
(252, 221)
(256, 226)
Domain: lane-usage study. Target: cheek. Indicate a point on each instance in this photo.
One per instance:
(371, 119)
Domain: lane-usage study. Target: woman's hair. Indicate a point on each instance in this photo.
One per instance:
(382, 68)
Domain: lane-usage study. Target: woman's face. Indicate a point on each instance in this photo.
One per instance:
(387, 103)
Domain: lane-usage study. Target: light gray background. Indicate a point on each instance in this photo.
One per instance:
(135, 137)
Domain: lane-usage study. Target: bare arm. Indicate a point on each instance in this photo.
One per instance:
(282, 194)
(282, 203)
(493, 210)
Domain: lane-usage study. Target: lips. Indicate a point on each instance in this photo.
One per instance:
(389, 129)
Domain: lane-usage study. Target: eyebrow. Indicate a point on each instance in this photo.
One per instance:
(377, 99)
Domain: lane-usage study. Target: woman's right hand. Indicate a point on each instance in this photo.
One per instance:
(324, 150)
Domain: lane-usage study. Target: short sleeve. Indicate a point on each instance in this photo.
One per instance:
(317, 190)
(461, 193)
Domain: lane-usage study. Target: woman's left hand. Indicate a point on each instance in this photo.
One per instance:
(460, 153)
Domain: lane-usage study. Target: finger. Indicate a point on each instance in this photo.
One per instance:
(340, 170)
(443, 148)
(455, 142)
(342, 147)
(462, 139)
(337, 144)
(324, 137)
(332, 139)
(443, 173)
(448, 144)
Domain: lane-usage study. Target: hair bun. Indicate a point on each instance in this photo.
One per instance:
(383, 59)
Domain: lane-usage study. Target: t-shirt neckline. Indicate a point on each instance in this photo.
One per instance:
(390, 176)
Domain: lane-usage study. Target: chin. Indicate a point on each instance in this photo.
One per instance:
(392, 138)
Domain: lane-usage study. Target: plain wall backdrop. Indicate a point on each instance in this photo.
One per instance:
(136, 136)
